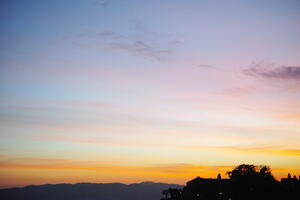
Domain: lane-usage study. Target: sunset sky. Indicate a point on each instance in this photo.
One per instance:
(136, 90)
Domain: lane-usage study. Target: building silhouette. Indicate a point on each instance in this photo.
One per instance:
(230, 189)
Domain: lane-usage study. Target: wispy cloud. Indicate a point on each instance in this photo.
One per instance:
(206, 66)
(177, 171)
(143, 49)
(281, 72)
(139, 41)
(100, 2)
(239, 91)
(252, 150)
(103, 141)
(265, 150)
(9, 162)
(103, 35)
(50, 163)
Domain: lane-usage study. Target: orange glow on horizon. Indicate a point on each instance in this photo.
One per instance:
(61, 171)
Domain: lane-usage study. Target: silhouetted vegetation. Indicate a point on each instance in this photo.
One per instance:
(245, 182)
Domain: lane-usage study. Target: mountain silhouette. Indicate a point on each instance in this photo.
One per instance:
(88, 191)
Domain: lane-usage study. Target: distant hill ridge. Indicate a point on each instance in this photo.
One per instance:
(88, 191)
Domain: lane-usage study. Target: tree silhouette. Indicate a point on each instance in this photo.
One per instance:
(174, 193)
(165, 193)
(250, 172)
(171, 194)
(251, 181)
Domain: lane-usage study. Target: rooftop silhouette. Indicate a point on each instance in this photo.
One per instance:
(244, 182)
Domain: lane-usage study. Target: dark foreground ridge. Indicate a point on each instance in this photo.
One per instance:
(88, 191)
(246, 182)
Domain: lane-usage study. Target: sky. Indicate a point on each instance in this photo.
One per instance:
(135, 90)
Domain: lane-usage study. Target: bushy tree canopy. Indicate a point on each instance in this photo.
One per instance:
(250, 172)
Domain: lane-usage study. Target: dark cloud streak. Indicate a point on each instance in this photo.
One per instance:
(282, 72)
